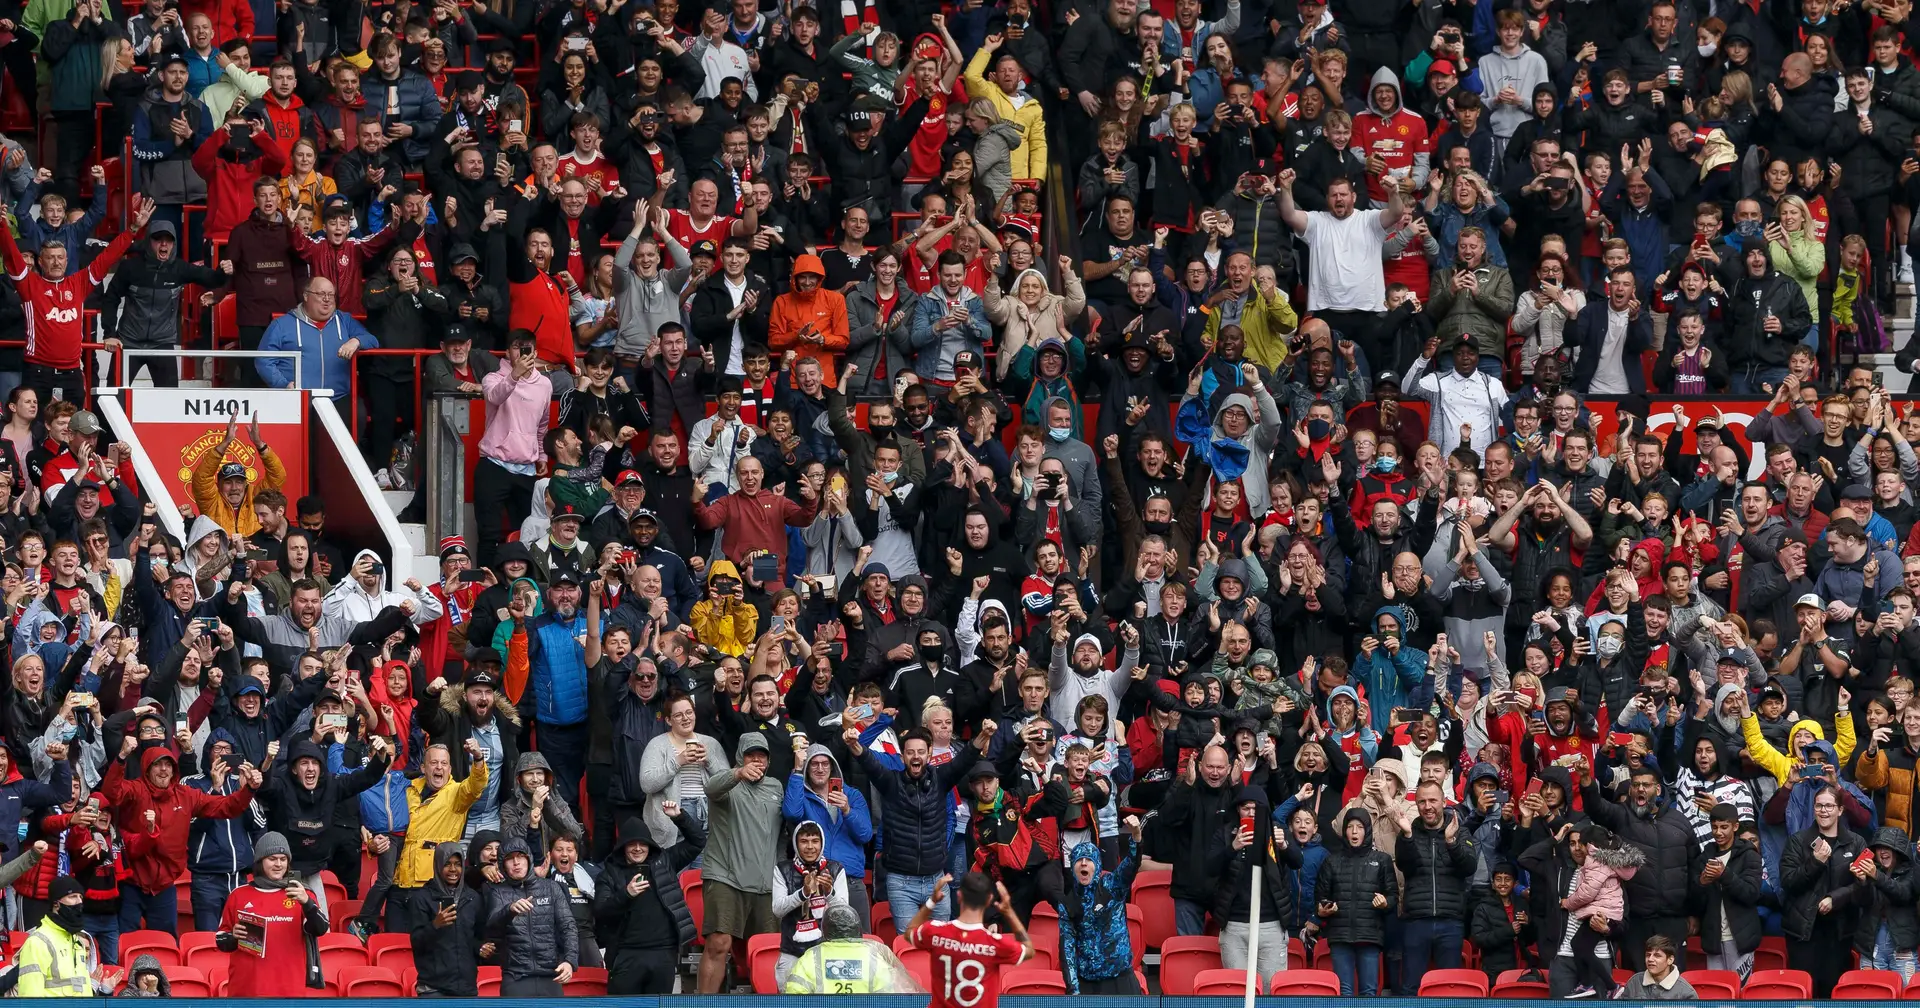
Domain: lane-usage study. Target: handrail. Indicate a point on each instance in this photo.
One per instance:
(353, 381)
(127, 353)
(343, 441)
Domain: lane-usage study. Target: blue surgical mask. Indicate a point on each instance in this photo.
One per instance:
(1059, 433)
(1384, 464)
(890, 476)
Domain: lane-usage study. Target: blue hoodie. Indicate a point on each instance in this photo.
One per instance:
(222, 846)
(847, 834)
(383, 807)
(1392, 679)
(1094, 943)
(321, 366)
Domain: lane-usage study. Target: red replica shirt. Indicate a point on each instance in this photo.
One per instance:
(923, 151)
(680, 226)
(54, 327)
(966, 962)
(598, 170)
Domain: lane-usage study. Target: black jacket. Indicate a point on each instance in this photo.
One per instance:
(915, 810)
(143, 301)
(529, 945)
(447, 958)
(1658, 889)
(1752, 298)
(303, 815)
(1805, 881)
(1734, 896)
(1190, 818)
(1500, 940)
(1349, 878)
(1887, 898)
(1235, 867)
(1589, 333)
(707, 317)
(660, 912)
(1436, 871)
(1870, 162)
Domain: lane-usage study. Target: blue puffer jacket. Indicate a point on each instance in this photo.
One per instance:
(915, 810)
(408, 99)
(383, 807)
(557, 668)
(1094, 944)
(847, 835)
(221, 846)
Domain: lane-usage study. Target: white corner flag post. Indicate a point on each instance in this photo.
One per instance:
(1253, 939)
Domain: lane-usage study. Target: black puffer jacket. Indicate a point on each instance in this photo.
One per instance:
(1663, 834)
(531, 944)
(1234, 867)
(1349, 878)
(1887, 898)
(1437, 872)
(915, 810)
(1805, 881)
(1736, 894)
(633, 922)
(448, 958)
(143, 301)
(1189, 819)
(304, 816)
(1746, 341)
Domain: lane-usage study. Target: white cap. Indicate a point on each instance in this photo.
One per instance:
(1809, 599)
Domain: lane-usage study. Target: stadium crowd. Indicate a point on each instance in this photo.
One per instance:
(803, 555)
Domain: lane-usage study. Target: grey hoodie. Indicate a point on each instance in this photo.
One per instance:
(516, 812)
(743, 828)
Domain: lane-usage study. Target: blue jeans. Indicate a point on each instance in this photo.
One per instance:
(1492, 365)
(1886, 957)
(1747, 380)
(210, 891)
(1358, 967)
(160, 912)
(1190, 918)
(1428, 942)
(1812, 339)
(105, 929)
(905, 894)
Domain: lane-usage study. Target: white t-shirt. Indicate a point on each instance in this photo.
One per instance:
(1345, 271)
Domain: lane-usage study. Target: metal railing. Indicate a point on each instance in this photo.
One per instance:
(125, 367)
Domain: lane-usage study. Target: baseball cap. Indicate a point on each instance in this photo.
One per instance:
(475, 678)
(233, 470)
(643, 515)
(1387, 378)
(85, 422)
(565, 574)
(704, 247)
(1443, 67)
(1809, 599)
(628, 477)
(565, 512)
(462, 252)
(967, 359)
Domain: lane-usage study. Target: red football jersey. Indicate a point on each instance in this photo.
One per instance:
(599, 170)
(966, 962)
(680, 226)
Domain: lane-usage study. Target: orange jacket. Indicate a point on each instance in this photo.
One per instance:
(825, 310)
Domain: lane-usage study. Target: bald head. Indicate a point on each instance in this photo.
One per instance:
(1796, 69)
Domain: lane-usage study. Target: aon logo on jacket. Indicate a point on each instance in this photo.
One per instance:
(63, 314)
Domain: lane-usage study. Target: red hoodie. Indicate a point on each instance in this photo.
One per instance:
(177, 807)
(230, 182)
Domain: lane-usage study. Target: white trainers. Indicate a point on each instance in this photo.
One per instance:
(1906, 267)
(383, 480)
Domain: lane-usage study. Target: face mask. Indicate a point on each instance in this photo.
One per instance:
(67, 915)
(1318, 430)
(1158, 528)
(933, 654)
(1385, 464)
(1606, 647)
(890, 476)
(1745, 228)
(1706, 50)
(880, 432)
(1059, 433)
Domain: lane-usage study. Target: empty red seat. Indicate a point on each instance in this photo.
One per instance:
(1714, 984)
(394, 951)
(763, 954)
(1185, 957)
(1867, 985)
(1453, 983)
(1303, 983)
(588, 981)
(1031, 980)
(1223, 983)
(370, 981)
(1777, 985)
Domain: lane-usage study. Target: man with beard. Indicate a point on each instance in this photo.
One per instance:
(283, 637)
(300, 799)
(640, 908)
(475, 714)
(893, 636)
(763, 714)
(1657, 893)
(1553, 532)
(997, 666)
(1438, 859)
(1386, 562)
(555, 654)
(1257, 307)
(914, 807)
(1645, 474)
(1077, 672)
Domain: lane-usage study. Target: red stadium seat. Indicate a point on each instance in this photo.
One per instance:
(371, 981)
(696, 901)
(336, 892)
(341, 914)
(198, 950)
(1302, 983)
(1453, 983)
(489, 981)
(394, 951)
(1777, 985)
(1714, 984)
(1033, 981)
(158, 944)
(1183, 958)
(588, 981)
(1771, 955)
(410, 979)
(338, 951)
(185, 981)
(1151, 893)
(1867, 985)
(763, 954)
(1511, 984)
(1220, 983)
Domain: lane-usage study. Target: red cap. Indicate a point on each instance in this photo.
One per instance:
(627, 476)
(1443, 67)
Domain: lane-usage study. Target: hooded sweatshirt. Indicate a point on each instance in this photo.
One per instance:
(1243, 458)
(318, 345)
(1399, 137)
(847, 833)
(1094, 942)
(823, 310)
(744, 825)
(177, 807)
(447, 958)
(801, 913)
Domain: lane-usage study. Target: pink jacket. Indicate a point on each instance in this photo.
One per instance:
(517, 417)
(1599, 890)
